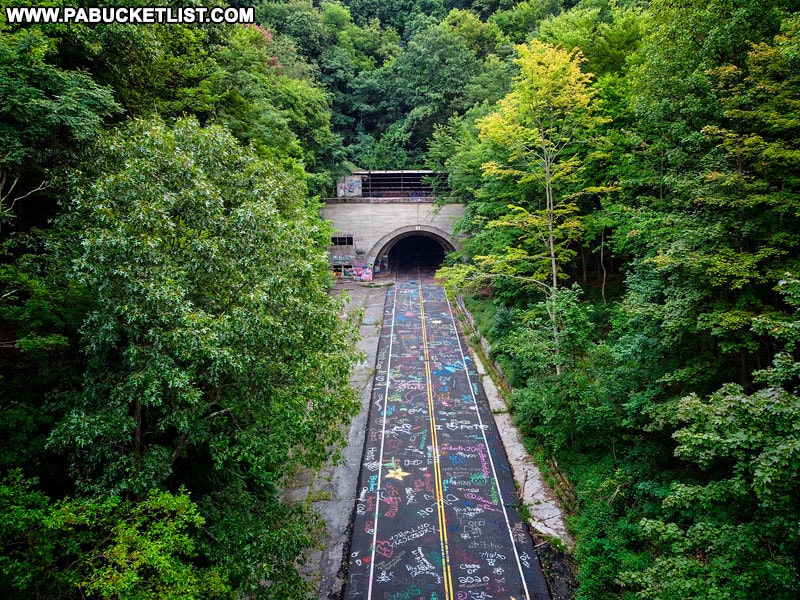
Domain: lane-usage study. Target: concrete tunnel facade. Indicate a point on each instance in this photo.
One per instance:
(369, 228)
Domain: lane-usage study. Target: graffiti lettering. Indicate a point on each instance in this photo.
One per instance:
(384, 548)
(468, 580)
(493, 557)
(413, 534)
(407, 594)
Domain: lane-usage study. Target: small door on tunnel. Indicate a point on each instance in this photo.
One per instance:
(416, 252)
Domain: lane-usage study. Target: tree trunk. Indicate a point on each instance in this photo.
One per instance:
(137, 451)
(548, 184)
(584, 266)
(602, 264)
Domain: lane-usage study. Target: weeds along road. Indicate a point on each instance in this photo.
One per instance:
(437, 513)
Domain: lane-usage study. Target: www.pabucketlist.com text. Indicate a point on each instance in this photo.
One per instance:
(128, 15)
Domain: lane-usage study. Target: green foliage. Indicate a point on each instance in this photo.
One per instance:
(248, 83)
(398, 14)
(605, 42)
(42, 310)
(212, 342)
(308, 28)
(711, 562)
(429, 86)
(533, 134)
(786, 329)
(146, 551)
(46, 111)
(170, 325)
(455, 147)
(604, 532)
(657, 403)
(187, 275)
(674, 97)
(202, 337)
(535, 130)
(733, 533)
(245, 526)
(101, 547)
(482, 38)
(551, 406)
(161, 68)
(519, 21)
(28, 547)
(441, 64)
(287, 120)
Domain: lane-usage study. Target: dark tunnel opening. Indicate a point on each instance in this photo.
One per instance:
(416, 252)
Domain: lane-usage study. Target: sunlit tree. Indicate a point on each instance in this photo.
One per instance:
(536, 133)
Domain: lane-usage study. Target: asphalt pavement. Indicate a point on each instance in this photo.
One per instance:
(437, 513)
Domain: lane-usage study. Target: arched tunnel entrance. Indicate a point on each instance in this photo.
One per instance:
(414, 252)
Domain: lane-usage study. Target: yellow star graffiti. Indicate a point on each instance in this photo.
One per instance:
(397, 473)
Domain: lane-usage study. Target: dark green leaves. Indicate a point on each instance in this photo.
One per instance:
(209, 275)
(45, 109)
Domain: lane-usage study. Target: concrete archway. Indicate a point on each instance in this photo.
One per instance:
(385, 245)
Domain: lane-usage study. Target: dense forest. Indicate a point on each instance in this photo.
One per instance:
(171, 354)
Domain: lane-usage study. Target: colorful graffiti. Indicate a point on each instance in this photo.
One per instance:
(436, 514)
(349, 186)
(357, 272)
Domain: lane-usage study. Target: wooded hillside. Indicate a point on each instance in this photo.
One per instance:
(170, 354)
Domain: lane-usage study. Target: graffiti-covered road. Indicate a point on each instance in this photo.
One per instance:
(436, 515)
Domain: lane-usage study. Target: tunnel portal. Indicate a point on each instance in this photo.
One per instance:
(384, 220)
(416, 252)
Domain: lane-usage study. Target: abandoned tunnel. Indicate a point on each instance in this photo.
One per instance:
(416, 252)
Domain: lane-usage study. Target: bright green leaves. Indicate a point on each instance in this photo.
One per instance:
(27, 547)
(758, 433)
(533, 137)
(145, 556)
(101, 547)
(721, 231)
(549, 101)
(216, 357)
(519, 22)
(536, 130)
(714, 562)
(692, 194)
(730, 529)
(605, 40)
(742, 536)
(756, 182)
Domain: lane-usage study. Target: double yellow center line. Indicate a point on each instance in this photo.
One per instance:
(437, 468)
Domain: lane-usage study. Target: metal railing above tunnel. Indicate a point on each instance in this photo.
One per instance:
(419, 185)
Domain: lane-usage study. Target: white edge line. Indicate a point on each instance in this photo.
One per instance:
(383, 438)
(488, 452)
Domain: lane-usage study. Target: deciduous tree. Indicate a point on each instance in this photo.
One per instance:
(216, 357)
(536, 131)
